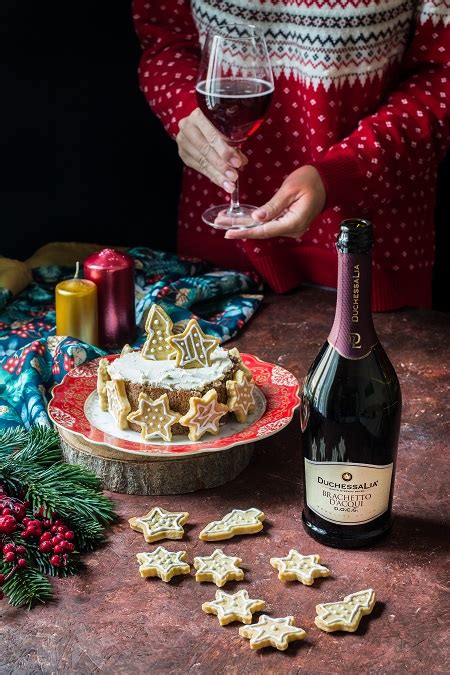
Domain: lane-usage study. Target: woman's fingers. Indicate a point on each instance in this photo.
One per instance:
(204, 149)
(288, 225)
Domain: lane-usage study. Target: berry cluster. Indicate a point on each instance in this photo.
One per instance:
(51, 535)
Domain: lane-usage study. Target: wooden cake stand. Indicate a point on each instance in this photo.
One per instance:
(148, 475)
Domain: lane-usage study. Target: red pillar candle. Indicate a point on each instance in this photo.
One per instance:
(113, 274)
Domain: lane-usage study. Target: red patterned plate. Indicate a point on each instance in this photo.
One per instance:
(74, 407)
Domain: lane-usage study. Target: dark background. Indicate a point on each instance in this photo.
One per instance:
(82, 157)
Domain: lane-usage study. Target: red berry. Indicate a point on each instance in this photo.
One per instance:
(69, 546)
(19, 511)
(46, 536)
(8, 524)
(7, 512)
(26, 520)
(62, 529)
(20, 549)
(55, 560)
(9, 547)
(58, 523)
(21, 563)
(47, 523)
(56, 540)
(2, 579)
(46, 546)
(25, 534)
(58, 548)
(53, 529)
(10, 556)
(69, 535)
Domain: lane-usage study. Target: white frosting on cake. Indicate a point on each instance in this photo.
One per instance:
(134, 368)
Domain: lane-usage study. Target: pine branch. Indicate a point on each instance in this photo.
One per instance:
(11, 439)
(26, 587)
(42, 447)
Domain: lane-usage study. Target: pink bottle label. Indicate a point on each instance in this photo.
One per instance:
(353, 334)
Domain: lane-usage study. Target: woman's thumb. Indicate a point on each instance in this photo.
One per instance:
(274, 207)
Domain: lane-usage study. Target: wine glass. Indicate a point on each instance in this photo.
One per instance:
(234, 90)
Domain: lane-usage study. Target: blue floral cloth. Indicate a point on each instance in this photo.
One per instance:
(33, 358)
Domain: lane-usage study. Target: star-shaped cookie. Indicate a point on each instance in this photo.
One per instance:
(298, 567)
(192, 347)
(102, 378)
(154, 417)
(345, 614)
(163, 564)
(160, 524)
(159, 329)
(230, 607)
(272, 632)
(234, 523)
(118, 403)
(241, 396)
(234, 351)
(204, 415)
(218, 568)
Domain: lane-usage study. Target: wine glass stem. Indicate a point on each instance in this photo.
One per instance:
(235, 207)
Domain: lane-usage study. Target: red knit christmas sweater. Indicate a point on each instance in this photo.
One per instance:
(362, 92)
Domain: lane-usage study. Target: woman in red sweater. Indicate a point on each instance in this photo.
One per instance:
(359, 121)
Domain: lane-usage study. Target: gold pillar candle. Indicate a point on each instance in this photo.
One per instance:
(76, 309)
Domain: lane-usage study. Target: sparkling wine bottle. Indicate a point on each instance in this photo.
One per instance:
(350, 413)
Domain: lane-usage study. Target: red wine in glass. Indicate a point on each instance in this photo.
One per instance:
(236, 106)
(234, 91)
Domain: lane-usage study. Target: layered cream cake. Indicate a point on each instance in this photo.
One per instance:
(181, 383)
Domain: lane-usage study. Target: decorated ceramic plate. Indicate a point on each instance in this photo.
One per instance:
(74, 408)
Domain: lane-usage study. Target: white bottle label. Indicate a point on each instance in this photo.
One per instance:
(348, 494)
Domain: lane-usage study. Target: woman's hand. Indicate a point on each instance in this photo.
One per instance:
(204, 149)
(291, 210)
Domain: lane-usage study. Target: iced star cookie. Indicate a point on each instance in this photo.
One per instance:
(159, 331)
(160, 524)
(234, 523)
(163, 564)
(345, 614)
(204, 415)
(154, 417)
(230, 607)
(298, 567)
(118, 404)
(102, 378)
(270, 632)
(218, 568)
(241, 396)
(193, 347)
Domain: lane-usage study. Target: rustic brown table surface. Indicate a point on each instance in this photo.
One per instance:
(109, 620)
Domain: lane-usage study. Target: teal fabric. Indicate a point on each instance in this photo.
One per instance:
(33, 359)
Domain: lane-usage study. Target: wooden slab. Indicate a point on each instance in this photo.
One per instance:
(145, 475)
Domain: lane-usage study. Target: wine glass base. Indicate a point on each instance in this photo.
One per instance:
(221, 218)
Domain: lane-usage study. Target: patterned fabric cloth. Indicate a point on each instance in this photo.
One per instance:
(32, 358)
(362, 93)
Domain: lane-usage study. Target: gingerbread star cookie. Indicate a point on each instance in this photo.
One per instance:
(234, 523)
(160, 524)
(154, 417)
(230, 607)
(241, 396)
(345, 614)
(159, 330)
(192, 347)
(102, 378)
(163, 564)
(218, 568)
(204, 415)
(118, 403)
(270, 632)
(298, 567)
